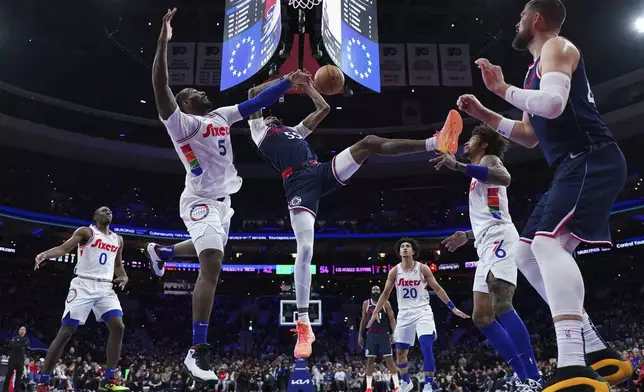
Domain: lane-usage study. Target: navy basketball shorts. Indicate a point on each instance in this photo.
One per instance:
(581, 197)
(306, 186)
(378, 345)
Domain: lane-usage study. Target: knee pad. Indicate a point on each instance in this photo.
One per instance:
(427, 348)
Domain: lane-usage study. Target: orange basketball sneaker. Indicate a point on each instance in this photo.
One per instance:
(447, 138)
(305, 338)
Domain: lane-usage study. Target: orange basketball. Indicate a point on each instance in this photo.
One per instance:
(329, 80)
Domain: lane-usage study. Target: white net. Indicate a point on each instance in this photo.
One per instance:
(308, 4)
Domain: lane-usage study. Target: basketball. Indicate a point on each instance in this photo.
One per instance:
(329, 80)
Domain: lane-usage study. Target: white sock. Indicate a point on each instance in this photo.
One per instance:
(570, 343)
(303, 317)
(592, 341)
(430, 144)
(369, 379)
(394, 376)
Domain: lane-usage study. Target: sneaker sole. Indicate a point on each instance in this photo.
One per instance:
(453, 128)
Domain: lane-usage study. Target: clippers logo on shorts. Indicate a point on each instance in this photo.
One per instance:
(191, 158)
(71, 295)
(199, 212)
(296, 201)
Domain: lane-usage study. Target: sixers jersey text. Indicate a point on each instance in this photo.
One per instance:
(578, 127)
(96, 258)
(411, 290)
(283, 147)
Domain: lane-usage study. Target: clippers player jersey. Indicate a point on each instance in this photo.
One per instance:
(411, 289)
(284, 147)
(381, 325)
(96, 258)
(204, 147)
(578, 127)
(488, 207)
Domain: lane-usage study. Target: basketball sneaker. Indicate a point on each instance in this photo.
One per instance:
(157, 264)
(197, 364)
(609, 364)
(427, 388)
(112, 385)
(447, 138)
(368, 390)
(577, 378)
(305, 339)
(406, 386)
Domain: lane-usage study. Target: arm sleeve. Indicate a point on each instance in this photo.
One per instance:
(257, 130)
(181, 125)
(264, 99)
(302, 130)
(549, 101)
(229, 113)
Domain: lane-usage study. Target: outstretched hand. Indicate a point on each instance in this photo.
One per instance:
(444, 160)
(455, 241)
(166, 27)
(299, 77)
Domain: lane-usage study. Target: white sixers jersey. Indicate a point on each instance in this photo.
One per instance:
(205, 149)
(411, 287)
(96, 258)
(488, 207)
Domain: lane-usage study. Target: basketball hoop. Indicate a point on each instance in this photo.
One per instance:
(308, 4)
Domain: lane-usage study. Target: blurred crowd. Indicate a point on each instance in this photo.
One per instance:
(252, 351)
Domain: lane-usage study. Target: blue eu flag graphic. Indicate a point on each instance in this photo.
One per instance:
(360, 58)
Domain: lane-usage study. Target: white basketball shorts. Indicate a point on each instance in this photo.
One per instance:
(207, 220)
(497, 252)
(87, 295)
(414, 322)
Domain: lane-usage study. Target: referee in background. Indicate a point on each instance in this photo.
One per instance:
(16, 363)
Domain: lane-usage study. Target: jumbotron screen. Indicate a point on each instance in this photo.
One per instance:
(252, 30)
(350, 35)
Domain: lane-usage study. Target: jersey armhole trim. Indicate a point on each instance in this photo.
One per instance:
(185, 139)
(88, 241)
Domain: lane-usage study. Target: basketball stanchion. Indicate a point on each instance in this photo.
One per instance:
(300, 380)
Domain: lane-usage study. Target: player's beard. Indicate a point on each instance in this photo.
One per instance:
(201, 106)
(522, 40)
(375, 297)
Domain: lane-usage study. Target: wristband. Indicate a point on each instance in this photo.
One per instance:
(477, 171)
(505, 127)
(450, 305)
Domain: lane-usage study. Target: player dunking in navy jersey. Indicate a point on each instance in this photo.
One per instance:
(306, 180)
(559, 114)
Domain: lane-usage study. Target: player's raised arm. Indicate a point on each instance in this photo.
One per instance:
(363, 323)
(166, 104)
(559, 59)
(440, 292)
(490, 171)
(81, 236)
(389, 285)
(121, 276)
(254, 91)
(520, 132)
(272, 93)
(322, 108)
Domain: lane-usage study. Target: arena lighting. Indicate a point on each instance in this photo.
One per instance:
(639, 25)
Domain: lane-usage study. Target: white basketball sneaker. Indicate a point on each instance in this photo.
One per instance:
(157, 265)
(197, 364)
(406, 386)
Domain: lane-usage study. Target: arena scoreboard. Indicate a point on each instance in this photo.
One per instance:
(252, 30)
(350, 36)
